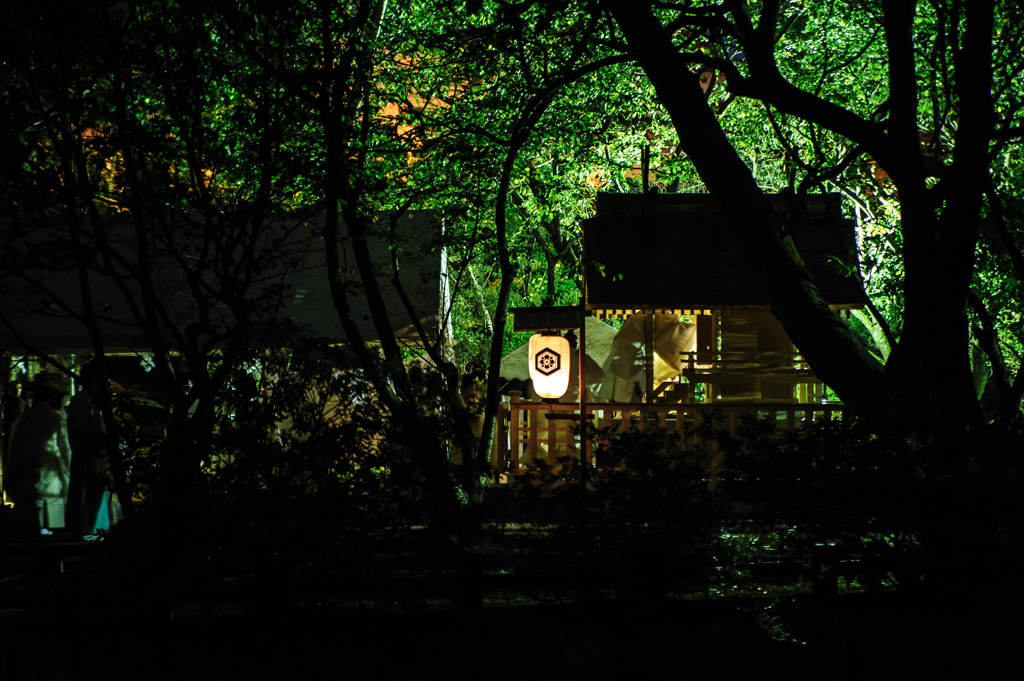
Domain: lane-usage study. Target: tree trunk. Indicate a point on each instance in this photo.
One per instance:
(478, 300)
(837, 355)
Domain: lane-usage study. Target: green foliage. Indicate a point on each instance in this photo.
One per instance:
(900, 499)
(482, 68)
(998, 277)
(217, 109)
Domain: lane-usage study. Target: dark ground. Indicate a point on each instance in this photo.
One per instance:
(103, 619)
(113, 612)
(715, 640)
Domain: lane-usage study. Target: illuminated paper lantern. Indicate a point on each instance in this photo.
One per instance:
(549, 365)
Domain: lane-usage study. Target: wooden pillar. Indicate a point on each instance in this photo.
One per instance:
(533, 416)
(552, 440)
(4, 395)
(649, 356)
(584, 445)
(514, 413)
(499, 455)
(624, 423)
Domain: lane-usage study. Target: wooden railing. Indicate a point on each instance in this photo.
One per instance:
(525, 436)
(764, 361)
(754, 369)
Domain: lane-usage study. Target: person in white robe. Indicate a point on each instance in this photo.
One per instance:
(40, 459)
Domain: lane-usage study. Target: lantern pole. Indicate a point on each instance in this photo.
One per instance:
(583, 393)
(583, 414)
(546, 320)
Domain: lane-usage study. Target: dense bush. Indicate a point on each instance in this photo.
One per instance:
(911, 501)
(647, 514)
(304, 469)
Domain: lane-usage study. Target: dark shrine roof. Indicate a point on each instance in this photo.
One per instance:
(671, 251)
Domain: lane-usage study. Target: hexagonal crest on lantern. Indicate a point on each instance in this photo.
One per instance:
(548, 361)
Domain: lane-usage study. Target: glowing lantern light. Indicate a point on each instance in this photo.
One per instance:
(549, 365)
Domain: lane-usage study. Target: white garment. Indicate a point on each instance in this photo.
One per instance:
(40, 462)
(623, 377)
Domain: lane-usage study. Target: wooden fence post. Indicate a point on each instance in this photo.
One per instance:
(514, 443)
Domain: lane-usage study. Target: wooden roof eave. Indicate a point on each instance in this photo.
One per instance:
(698, 259)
